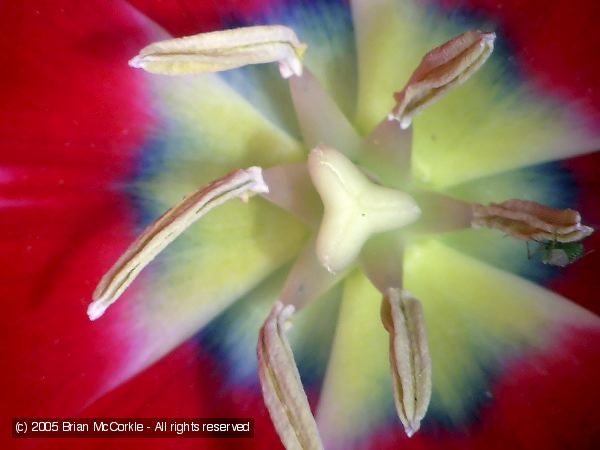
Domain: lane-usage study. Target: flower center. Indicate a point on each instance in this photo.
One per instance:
(358, 211)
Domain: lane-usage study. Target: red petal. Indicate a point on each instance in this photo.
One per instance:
(184, 17)
(579, 281)
(72, 121)
(186, 383)
(68, 99)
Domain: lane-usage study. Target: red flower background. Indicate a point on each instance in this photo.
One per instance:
(72, 118)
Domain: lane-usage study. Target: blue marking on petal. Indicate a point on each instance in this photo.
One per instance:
(231, 337)
(150, 163)
(489, 361)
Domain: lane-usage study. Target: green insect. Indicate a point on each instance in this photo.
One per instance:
(559, 254)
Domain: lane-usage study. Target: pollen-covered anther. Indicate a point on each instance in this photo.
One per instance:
(224, 50)
(410, 361)
(528, 220)
(241, 184)
(440, 71)
(282, 388)
(354, 208)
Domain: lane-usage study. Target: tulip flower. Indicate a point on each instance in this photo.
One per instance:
(373, 288)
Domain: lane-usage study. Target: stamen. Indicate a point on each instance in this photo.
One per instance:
(528, 220)
(355, 208)
(387, 151)
(410, 361)
(238, 184)
(320, 118)
(440, 71)
(292, 190)
(382, 259)
(224, 50)
(441, 213)
(282, 388)
(308, 279)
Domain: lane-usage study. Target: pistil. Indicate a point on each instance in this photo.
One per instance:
(355, 208)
